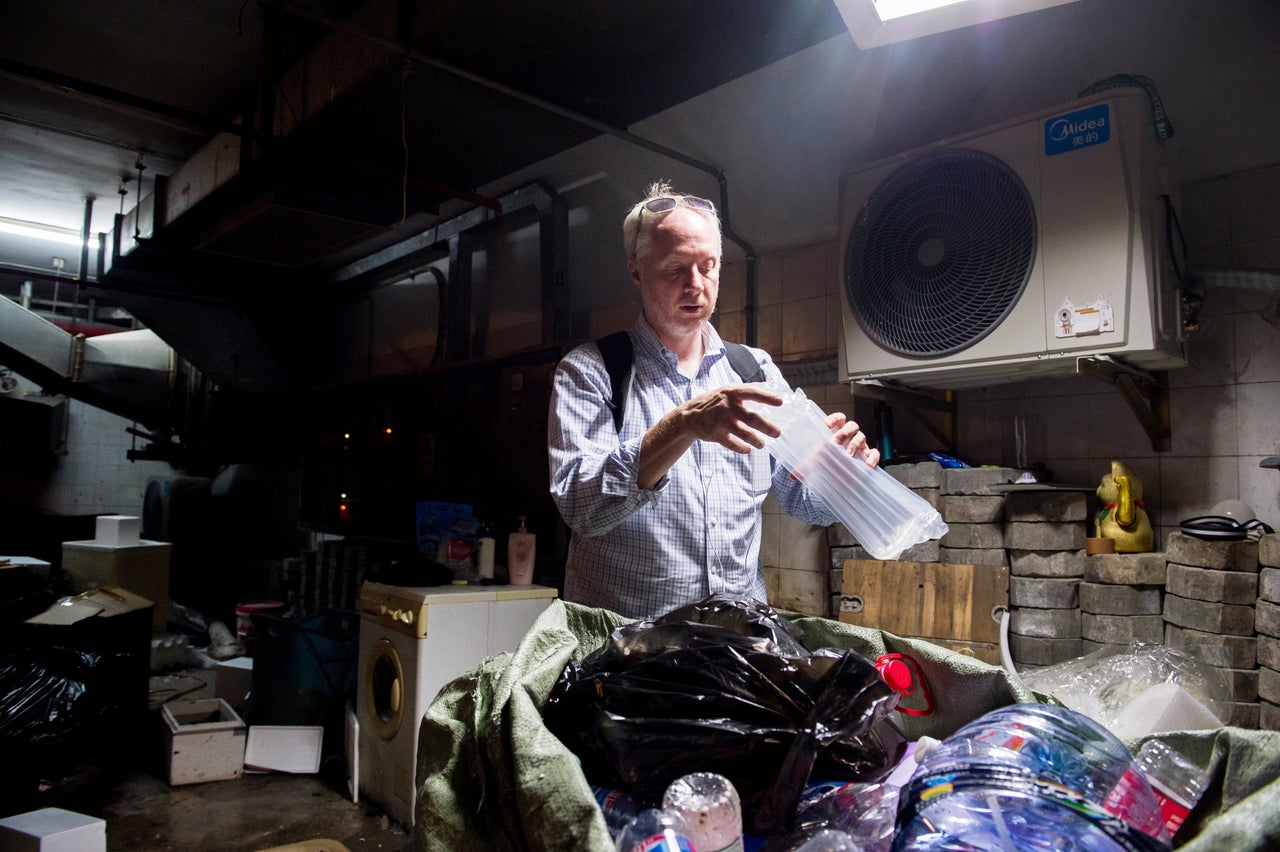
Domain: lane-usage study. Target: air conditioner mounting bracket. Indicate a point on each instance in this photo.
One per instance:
(1146, 393)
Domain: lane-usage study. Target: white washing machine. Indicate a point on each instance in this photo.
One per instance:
(413, 641)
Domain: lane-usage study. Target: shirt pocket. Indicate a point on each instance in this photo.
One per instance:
(753, 471)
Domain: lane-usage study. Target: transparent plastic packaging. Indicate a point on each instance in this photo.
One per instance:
(1139, 690)
(1030, 776)
(883, 515)
(864, 813)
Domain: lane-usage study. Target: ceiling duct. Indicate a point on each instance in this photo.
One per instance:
(129, 373)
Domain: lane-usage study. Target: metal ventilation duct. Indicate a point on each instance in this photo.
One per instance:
(130, 373)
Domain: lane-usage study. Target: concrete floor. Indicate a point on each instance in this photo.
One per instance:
(256, 811)
(251, 813)
(130, 790)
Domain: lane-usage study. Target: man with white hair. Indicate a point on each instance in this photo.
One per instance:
(665, 508)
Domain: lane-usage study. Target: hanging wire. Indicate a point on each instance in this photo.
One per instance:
(137, 221)
(404, 140)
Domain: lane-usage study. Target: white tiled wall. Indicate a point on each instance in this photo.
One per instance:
(95, 477)
(1225, 406)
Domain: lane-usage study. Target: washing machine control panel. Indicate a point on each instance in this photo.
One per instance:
(396, 613)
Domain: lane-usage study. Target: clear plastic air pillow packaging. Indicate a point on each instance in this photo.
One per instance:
(883, 515)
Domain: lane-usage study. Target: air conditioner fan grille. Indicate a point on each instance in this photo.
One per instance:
(941, 253)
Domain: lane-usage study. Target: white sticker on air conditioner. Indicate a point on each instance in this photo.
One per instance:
(1094, 318)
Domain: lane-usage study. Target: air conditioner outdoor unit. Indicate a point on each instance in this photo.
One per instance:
(1008, 253)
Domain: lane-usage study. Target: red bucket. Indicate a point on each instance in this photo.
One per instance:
(244, 619)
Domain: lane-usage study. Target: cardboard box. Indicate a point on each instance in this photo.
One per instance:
(232, 680)
(53, 830)
(204, 741)
(111, 621)
(142, 567)
(29, 564)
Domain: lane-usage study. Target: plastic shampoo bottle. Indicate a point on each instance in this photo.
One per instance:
(520, 551)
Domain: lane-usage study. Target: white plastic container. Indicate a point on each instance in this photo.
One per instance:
(883, 515)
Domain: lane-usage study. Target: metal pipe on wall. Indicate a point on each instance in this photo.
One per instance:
(413, 55)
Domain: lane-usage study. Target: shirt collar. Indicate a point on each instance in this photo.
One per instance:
(647, 341)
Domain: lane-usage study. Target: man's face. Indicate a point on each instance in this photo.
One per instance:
(679, 276)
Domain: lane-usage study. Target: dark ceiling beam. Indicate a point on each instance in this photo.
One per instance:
(93, 138)
(418, 57)
(411, 54)
(172, 116)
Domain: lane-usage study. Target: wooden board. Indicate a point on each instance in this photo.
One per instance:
(929, 600)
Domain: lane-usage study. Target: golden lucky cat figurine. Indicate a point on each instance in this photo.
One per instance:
(1122, 517)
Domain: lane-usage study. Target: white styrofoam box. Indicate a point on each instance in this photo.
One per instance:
(232, 679)
(142, 567)
(53, 830)
(204, 740)
(118, 530)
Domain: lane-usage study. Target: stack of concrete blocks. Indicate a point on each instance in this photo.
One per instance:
(925, 479)
(974, 514)
(1122, 600)
(1044, 534)
(1268, 627)
(1211, 597)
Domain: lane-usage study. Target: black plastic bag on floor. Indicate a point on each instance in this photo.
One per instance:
(725, 685)
(55, 721)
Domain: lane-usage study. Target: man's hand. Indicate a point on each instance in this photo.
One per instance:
(721, 417)
(849, 436)
(718, 416)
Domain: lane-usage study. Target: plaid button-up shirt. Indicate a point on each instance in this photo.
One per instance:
(640, 552)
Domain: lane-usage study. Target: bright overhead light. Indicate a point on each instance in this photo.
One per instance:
(887, 10)
(874, 23)
(47, 233)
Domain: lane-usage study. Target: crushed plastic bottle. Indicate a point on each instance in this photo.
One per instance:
(1030, 777)
(1178, 783)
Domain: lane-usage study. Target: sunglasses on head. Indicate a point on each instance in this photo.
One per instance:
(671, 202)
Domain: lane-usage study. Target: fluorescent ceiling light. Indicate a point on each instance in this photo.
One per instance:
(887, 10)
(31, 230)
(873, 23)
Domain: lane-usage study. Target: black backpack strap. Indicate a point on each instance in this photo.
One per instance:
(618, 363)
(743, 362)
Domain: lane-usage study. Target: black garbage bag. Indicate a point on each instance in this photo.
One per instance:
(56, 718)
(725, 685)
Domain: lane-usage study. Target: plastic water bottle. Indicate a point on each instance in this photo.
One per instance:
(654, 830)
(618, 806)
(1178, 783)
(1030, 776)
(709, 804)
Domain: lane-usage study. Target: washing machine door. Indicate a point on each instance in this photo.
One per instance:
(384, 689)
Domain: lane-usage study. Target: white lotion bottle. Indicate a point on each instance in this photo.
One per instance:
(521, 546)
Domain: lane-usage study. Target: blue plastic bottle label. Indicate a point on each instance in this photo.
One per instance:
(668, 841)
